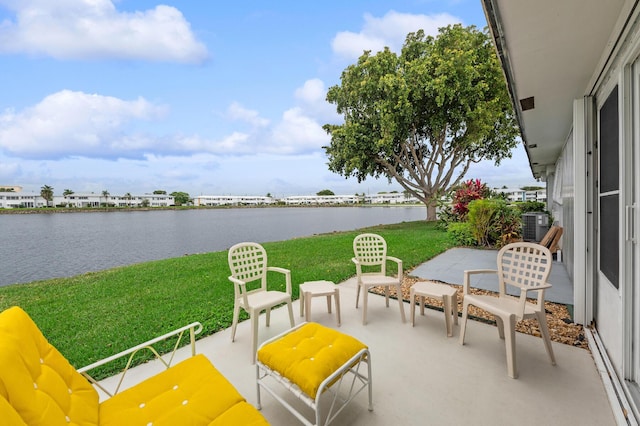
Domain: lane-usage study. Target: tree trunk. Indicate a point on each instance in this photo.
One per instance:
(431, 212)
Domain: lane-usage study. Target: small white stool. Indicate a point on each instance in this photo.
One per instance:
(313, 289)
(449, 297)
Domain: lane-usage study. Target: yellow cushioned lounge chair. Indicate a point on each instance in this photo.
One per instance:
(39, 387)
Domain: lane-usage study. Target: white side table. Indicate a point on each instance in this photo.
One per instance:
(447, 294)
(313, 289)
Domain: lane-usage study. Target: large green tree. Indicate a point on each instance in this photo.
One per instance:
(180, 198)
(46, 192)
(424, 116)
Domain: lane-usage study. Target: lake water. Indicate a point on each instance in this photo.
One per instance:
(42, 246)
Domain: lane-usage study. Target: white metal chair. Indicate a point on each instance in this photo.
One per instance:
(371, 258)
(248, 264)
(525, 266)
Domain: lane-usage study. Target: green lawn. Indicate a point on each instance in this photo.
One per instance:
(94, 315)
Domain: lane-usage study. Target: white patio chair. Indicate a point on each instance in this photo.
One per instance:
(248, 263)
(371, 258)
(525, 266)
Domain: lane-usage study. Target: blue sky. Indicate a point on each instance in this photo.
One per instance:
(202, 97)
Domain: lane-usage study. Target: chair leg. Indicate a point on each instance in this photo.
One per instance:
(329, 304)
(337, 302)
(510, 345)
(302, 303)
(234, 324)
(454, 308)
(357, 295)
(399, 297)
(544, 329)
(291, 321)
(500, 325)
(386, 295)
(446, 304)
(412, 302)
(463, 325)
(254, 335)
(364, 306)
(307, 308)
(268, 317)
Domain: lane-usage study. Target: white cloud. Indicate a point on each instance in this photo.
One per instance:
(297, 133)
(312, 91)
(94, 29)
(236, 143)
(238, 112)
(70, 123)
(312, 96)
(390, 30)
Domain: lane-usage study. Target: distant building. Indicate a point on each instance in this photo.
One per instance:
(231, 200)
(520, 195)
(84, 200)
(13, 200)
(321, 199)
(390, 198)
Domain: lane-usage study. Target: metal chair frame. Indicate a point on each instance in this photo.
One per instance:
(343, 385)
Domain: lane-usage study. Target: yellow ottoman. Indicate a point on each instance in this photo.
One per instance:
(312, 359)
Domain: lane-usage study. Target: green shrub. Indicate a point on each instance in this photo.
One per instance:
(493, 222)
(460, 233)
(531, 206)
(506, 226)
(446, 216)
(480, 218)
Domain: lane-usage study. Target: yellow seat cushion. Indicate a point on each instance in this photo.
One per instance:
(192, 392)
(37, 381)
(309, 354)
(8, 415)
(241, 413)
(38, 387)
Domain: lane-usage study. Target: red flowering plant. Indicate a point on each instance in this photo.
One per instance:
(468, 191)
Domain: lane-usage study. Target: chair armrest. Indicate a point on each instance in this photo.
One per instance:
(358, 267)
(286, 273)
(540, 289)
(399, 263)
(240, 289)
(193, 328)
(466, 283)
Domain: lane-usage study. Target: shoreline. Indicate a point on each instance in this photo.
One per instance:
(53, 210)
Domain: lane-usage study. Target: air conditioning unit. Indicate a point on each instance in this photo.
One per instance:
(534, 226)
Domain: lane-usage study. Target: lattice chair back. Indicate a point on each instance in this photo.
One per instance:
(371, 250)
(526, 266)
(248, 262)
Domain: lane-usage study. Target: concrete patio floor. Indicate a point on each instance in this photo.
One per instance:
(420, 376)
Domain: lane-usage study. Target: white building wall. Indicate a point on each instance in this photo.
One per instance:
(231, 200)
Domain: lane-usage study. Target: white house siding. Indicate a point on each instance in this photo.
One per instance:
(572, 195)
(570, 55)
(615, 310)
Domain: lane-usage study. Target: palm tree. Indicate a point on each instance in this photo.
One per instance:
(106, 195)
(66, 193)
(46, 192)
